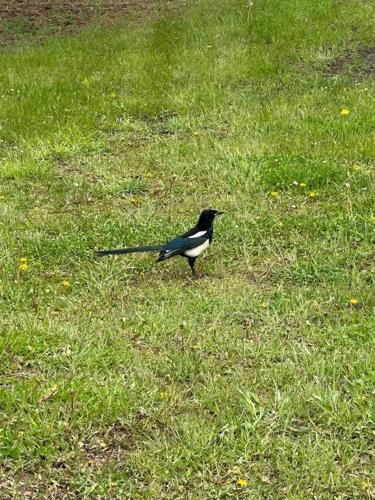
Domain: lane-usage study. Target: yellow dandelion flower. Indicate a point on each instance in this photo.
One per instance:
(66, 283)
(367, 485)
(344, 112)
(242, 482)
(134, 200)
(357, 167)
(274, 194)
(23, 260)
(354, 301)
(23, 266)
(302, 184)
(313, 194)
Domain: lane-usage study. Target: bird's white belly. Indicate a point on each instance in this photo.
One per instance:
(194, 252)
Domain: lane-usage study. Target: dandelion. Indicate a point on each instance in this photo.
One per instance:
(313, 194)
(165, 394)
(344, 112)
(274, 194)
(354, 301)
(22, 264)
(302, 184)
(357, 167)
(134, 200)
(242, 482)
(367, 485)
(66, 284)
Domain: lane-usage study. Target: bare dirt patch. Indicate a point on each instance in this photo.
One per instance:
(109, 445)
(360, 64)
(22, 20)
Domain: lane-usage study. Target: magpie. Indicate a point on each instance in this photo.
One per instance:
(190, 244)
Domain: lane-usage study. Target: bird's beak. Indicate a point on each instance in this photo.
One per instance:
(219, 213)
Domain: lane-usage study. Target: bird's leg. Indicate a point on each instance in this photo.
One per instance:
(191, 261)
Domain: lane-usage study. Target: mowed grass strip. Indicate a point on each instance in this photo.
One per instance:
(121, 377)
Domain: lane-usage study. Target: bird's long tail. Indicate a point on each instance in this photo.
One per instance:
(118, 251)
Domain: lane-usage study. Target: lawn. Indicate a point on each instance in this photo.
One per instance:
(123, 378)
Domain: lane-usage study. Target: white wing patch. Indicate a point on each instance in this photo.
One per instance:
(194, 252)
(198, 234)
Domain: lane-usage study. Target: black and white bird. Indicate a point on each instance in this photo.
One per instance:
(190, 244)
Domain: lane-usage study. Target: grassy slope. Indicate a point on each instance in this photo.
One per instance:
(134, 380)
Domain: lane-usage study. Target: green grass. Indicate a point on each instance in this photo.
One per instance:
(136, 382)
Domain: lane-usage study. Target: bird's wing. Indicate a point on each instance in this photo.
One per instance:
(180, 245)
(194, 233)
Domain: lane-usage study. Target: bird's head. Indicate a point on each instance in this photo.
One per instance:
(207, 218)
